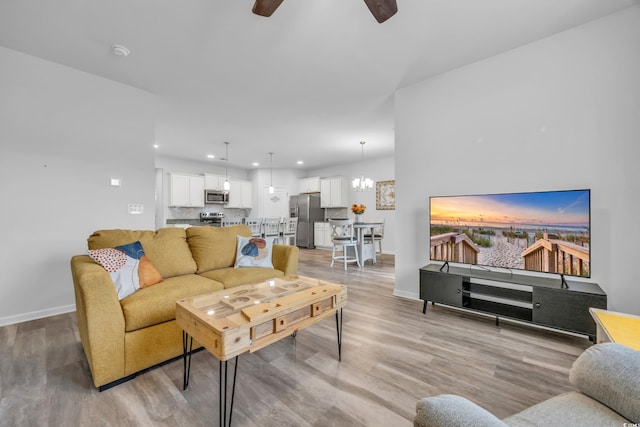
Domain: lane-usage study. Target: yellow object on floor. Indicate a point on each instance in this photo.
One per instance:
(620, 328)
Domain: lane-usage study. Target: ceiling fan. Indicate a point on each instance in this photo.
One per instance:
(380, 9)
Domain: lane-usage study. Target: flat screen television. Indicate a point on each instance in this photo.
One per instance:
(546, 231)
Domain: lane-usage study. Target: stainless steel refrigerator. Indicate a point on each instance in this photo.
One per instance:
(307, 208)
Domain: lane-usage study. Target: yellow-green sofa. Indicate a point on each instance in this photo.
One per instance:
(123, 337)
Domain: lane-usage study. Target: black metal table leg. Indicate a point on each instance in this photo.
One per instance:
(339, 331)
(187, 347)
(222, 403)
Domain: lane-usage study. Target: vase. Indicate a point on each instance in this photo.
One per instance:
(357, 218)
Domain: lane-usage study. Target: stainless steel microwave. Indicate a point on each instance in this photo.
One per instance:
(218, 197)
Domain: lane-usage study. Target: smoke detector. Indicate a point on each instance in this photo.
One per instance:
(120, 50)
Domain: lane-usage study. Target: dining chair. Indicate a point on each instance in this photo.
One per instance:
(290, 231)
(376, 235)
(226, 222)
(343, 238)
(271, 227)
(255, 224)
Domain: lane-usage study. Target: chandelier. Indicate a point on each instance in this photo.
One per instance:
(362, 183)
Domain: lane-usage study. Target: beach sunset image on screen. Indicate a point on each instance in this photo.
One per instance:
(540, 231)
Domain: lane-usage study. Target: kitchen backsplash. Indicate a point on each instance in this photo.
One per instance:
(194, 213)
(336, 213)
(184, 213)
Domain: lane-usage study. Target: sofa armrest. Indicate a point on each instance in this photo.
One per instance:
(100, 319)
(448, 410)
(285, 259)
(609, 374)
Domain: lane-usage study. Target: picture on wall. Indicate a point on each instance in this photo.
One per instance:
(386, 195)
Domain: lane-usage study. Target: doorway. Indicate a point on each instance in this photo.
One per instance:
(276, 204)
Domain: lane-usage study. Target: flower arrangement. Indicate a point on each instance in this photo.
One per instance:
(358, 209)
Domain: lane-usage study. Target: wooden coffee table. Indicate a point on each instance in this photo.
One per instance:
(247, 318)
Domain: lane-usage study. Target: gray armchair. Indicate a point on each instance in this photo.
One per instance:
(607, 379)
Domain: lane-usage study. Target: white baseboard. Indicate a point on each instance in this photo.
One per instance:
(25, 317)
(405, 294)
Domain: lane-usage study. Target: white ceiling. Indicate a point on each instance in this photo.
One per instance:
(308, 83)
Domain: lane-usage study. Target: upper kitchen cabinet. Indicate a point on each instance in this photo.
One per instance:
(334, 192)
(214, 182)
(240, 194)
(186, 190)
(309, 185)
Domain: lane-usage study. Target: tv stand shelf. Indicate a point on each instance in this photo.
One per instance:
(540, 300)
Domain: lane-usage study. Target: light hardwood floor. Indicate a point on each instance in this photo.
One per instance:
(392, 355)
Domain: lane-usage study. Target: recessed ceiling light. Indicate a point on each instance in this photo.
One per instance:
(120, 50)
(300, 162)
(255, 164)
(211, 156)
(155, 146)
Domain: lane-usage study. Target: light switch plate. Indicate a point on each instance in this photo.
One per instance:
(136, 209)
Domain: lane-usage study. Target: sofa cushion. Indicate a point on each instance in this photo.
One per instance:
(231, 276)
(128, 266)
(254, 252)
(609, 373)
(568, 409)
(215, 247)
(452, 411)
(157, 304)
(166, 248)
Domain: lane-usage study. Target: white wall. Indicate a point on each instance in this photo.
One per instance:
(282, 179)
(560, 113)
(382, 169)
(215, 167)
(63, 135)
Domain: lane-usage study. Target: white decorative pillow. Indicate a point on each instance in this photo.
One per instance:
(254, 252)
(128, 266)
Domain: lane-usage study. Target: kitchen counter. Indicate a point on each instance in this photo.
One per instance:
(196, 221)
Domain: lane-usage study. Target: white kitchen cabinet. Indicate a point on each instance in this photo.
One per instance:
(334, 192)
(214, 182)
(309, 185)
(322, 235)
(240, 194)
(186, 190)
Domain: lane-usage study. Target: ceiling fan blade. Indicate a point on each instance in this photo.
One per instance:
(265, 7)
(382, 9)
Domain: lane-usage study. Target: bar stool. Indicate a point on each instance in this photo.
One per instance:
(255, 224)
(271, 228)
(377, 236)
(290, 231)
(226, 222)
(342, 236)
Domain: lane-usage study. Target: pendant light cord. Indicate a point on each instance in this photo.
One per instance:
(227, 185)
(271, 189)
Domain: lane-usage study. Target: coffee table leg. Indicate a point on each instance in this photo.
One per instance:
(339, 331)
(222, 404)
(187, 346)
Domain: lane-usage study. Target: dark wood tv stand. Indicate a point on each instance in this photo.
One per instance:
(540, 300)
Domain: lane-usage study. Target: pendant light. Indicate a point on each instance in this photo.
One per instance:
(226, 185)
(271, 189)
(362, 183)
